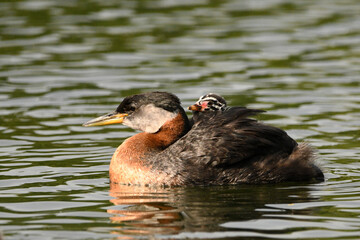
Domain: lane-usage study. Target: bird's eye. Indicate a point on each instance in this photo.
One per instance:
(131, 109)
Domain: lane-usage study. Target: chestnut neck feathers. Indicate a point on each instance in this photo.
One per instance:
(163, 121)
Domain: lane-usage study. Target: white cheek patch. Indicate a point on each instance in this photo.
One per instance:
(149, 118)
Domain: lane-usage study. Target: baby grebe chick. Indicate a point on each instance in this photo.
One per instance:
(206, 107)
(227, 149)
(210, 102)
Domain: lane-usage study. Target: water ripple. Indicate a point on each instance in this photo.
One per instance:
(65, 62)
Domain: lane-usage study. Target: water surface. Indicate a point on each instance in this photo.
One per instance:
(65, 62)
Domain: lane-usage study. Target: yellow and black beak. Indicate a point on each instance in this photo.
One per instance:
(195, 107)
(107, 119)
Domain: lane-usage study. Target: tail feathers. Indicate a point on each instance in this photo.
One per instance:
(299, 166)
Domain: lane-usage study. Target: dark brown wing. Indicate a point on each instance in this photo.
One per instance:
(228, 139)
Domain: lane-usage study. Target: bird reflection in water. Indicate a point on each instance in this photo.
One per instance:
(144, 210)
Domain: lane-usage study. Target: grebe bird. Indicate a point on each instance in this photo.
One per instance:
(207, 107)
(227, 149)
(210, 102)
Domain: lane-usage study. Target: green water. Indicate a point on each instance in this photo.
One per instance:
(65, 62)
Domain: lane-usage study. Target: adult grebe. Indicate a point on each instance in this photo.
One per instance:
(227, 149)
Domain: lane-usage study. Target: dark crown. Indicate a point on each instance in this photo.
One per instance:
(164, 100)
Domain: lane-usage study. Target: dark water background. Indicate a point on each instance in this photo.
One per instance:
(65, 62)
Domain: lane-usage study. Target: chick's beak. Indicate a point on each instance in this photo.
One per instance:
(195, 107)
(107, 119)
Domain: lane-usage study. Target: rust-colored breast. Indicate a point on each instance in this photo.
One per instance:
(129, 164)
(136, 160)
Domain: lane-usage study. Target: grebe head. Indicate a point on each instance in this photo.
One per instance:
(146, 112)
(209, 102)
